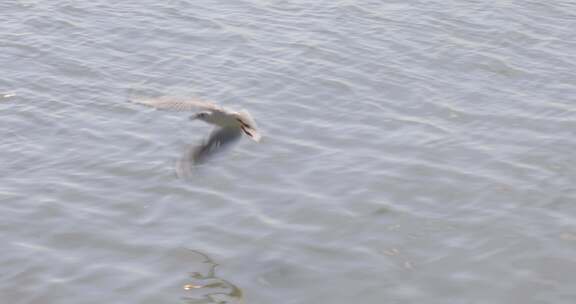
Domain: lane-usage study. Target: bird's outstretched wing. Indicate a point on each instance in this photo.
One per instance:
(176, 104)
(218, 141)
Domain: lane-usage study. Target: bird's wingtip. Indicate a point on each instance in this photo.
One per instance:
(257, 137)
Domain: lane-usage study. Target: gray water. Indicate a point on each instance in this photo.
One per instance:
(413, 152)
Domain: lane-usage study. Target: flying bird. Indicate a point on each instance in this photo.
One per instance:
(230, 125)
(207, 112)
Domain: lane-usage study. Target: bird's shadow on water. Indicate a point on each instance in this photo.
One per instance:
(196, 155)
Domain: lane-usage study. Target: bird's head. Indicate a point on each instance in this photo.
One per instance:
(204, 116)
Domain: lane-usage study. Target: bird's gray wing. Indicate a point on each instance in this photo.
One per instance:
(218, 141)
(176, 104)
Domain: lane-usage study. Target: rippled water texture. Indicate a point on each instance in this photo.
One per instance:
(413, 152)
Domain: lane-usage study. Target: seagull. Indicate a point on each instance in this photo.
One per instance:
(208, 112)
(230, 125)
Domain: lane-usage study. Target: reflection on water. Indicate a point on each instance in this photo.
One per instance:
(206, 287)
(218, 141)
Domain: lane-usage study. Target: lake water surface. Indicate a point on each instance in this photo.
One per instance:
(413, 152)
